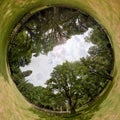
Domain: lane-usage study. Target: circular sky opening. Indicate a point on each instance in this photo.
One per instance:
(60, 59)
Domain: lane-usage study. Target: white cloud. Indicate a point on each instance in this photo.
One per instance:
(43, 65)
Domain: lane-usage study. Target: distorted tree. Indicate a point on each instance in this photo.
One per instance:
(66, 79)
(73, 83)
(82, 79)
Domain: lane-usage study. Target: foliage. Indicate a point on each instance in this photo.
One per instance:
(75, 83)
(80, 82)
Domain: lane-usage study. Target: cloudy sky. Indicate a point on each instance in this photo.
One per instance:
(43, 65)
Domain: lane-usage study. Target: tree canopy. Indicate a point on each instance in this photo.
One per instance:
(71, 83)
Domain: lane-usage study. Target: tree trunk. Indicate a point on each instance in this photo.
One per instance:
(72, 106)
(72, 110)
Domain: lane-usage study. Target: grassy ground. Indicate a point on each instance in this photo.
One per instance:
(12, 104)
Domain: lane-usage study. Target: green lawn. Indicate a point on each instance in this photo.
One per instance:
(13, 106)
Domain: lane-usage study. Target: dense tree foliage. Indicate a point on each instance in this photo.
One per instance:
(43, 31)
(85, 79)
(72, 83)
(67, 80)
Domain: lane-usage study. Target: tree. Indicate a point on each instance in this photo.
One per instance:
(74, 83)
(80, 81)
(66, 79)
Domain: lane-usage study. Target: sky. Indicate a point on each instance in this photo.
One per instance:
(72, 50)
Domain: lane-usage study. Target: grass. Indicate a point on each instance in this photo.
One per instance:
(13, 105)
